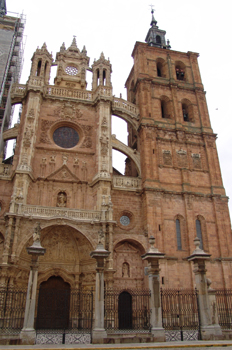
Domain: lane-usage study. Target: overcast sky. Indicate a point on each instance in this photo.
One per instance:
(113, 26)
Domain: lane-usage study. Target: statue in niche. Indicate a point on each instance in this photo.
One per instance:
(61, 199)
(125, 270)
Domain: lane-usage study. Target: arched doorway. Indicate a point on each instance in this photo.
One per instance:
(53, 304)
(125, 310)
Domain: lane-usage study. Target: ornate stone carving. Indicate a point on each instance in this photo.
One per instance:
(104, 145)
(196, 160)
(182, 160)
(127, 183)
(167, 157)
(43, 165)
(45, 125)
(61, 199)
(68, 111)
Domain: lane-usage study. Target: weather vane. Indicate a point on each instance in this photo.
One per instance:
(152, 8)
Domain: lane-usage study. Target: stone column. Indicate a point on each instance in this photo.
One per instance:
(28, 333)
(152, 256)
(209, 331)
(100, 254)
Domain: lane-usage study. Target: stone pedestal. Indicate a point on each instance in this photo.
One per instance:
(28, 333)
(209, 331)
(99, 332)
(153, 256)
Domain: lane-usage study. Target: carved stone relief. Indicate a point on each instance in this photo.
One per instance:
(167, 157)
(68, 111)
(45, 125)
(196, 158)
(182, 160)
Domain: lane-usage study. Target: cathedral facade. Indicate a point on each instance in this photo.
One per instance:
(62, 174)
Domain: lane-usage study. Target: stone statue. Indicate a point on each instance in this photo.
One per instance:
(36, 234)
(61, 199)
(125, 270)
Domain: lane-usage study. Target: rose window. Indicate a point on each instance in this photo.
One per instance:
(66, 137)
(71, 70)
(125, 220)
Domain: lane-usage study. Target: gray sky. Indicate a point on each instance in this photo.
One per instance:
(113, 26)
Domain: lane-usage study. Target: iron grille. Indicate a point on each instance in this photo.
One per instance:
(12, 309)
(224, 307)
(127, 310)
(180, 313)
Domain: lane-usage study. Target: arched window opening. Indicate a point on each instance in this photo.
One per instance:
(166, 107)
(98, 77)
(104, 77)
(45, 69)
(38, 68)
(159, 69)
(185, 112)
(199, 232)
(178, 235)
(163, 109)
(180, 73)
(158, 39)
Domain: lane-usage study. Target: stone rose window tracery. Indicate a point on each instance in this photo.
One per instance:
(66, 137)
(70, 70)
(125, 220)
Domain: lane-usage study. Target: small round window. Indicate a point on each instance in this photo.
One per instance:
(66, 137)
(71, 70)
(124, 220)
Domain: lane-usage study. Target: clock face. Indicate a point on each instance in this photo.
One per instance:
(70, 70)
(65, 137)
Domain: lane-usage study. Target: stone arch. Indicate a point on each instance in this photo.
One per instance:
(166, 107)
(67, 251)
(44, 276)
(187, 110)
(161, 67)
(180, 70)
(129, 117)
(127, 254)
(133, 155)
(27, 238)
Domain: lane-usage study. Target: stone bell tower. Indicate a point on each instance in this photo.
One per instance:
(183, 194)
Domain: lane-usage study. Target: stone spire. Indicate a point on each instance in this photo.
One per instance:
(156, 36)
(3, 11)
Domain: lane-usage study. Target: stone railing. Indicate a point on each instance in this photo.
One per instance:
(18, 89)
(125, 106)
(55, 91)
(36, 81)
(127, 183)
(65, 213)
(103, 91)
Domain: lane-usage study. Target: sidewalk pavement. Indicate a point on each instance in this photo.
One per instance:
(191, 345)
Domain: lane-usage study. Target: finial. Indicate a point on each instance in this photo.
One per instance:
(74, 43)
(152, 248)
(44, 47)
(153, 21)
(197, 243)
(62, 48)
(84, 51)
